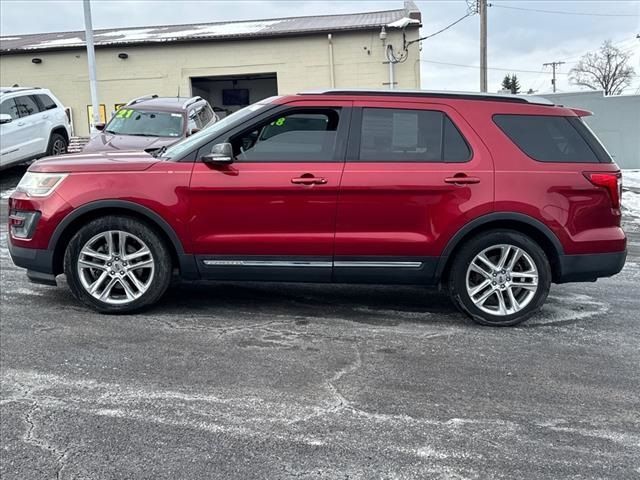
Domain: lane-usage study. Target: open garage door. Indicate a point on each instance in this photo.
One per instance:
(229, 93)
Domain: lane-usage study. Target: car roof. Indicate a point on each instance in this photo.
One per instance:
(7, 90)
(168, 104)
(494, 97)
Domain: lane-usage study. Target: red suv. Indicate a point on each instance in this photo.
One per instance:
(491, 197)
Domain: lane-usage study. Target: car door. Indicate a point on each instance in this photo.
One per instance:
(33, 126)
(50, 115)
(415, 174)
(271, 213)
(12, 136)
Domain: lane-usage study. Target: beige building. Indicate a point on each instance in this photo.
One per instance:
(229, 64)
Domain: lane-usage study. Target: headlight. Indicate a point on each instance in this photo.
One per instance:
(40, 184)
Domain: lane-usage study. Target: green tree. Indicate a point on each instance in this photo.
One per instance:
(506, 82)
(511, 83)
(515, 84)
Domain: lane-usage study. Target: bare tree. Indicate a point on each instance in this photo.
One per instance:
(605, 69)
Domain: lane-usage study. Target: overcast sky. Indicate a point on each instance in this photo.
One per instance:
(519, 41)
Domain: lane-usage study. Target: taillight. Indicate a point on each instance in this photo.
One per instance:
(612, 182)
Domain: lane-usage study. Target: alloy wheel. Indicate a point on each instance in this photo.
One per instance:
(502, 280)
(58, 147)
(115, 267)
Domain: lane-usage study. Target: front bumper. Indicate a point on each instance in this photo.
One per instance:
(590, 267)
(38, 262)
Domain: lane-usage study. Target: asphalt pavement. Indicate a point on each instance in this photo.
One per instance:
(283, 381)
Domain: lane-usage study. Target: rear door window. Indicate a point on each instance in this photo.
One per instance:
(407, 135)
(548, 138)
(27, 105)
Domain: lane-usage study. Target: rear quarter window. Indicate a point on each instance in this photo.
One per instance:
(547, 138)
(46, 102)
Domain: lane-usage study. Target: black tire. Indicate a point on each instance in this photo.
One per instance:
(159, 252)
(457, 276)
(57, 145)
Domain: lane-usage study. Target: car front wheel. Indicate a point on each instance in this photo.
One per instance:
(117, 265)
(500, 278)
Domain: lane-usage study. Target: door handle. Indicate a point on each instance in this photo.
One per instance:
(462, 180)
(20, 124)
(46, 115)
(308, 179)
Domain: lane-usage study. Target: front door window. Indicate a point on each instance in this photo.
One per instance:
(299, 135)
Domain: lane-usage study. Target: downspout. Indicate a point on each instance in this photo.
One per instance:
(392, 79)
(332, 72)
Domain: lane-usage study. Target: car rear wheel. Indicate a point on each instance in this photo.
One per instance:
(500, 278)
(57, 145)
(117, 265)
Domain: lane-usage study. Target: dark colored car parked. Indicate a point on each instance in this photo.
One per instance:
(490, 197)
(150, 123)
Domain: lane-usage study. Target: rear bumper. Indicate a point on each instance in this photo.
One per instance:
(590, 267)
(39, 263)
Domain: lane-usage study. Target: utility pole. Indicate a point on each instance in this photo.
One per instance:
(482, 10)
(91, 58)
(553, 66)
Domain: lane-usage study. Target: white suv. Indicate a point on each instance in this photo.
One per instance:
(33, 124)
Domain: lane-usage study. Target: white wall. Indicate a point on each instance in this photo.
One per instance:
(615, 120)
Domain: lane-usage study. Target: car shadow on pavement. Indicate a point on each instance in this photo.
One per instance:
(372, 304)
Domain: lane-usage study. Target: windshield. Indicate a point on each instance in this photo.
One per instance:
(188, 144)
(145, 124)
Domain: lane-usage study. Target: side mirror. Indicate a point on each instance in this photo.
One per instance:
(99, 126)
(221, 154)
(5, 118)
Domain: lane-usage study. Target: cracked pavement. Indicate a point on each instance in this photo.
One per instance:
(279, 381)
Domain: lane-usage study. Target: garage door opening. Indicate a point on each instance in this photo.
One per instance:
(229, 93)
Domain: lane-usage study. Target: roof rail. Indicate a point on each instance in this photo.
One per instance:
(492, 97)
(141, 99)
(17, 89)
(191, 100)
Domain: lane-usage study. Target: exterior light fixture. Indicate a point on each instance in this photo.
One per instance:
(36, 60)
(123, 56)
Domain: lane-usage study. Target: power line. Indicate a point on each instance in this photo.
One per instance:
(442, 29)
(567, 13)
(538, 80)
(574, 59)
(513, 70)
